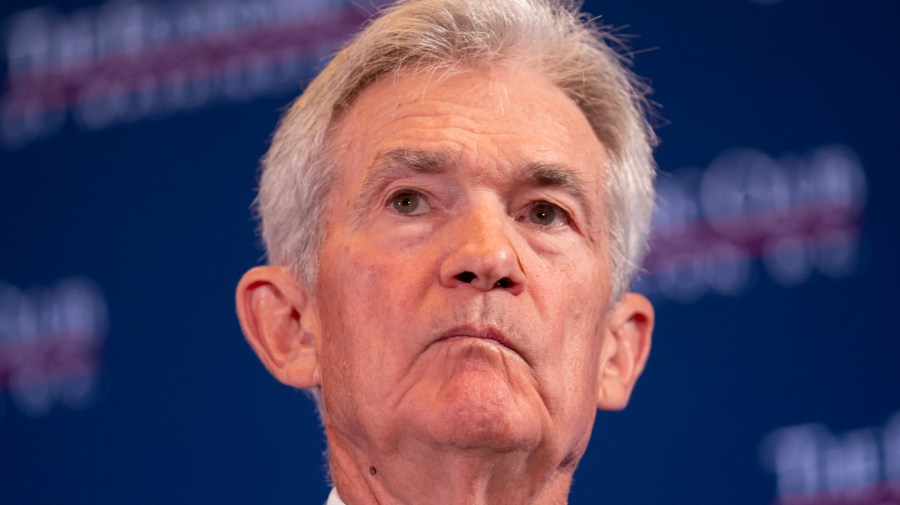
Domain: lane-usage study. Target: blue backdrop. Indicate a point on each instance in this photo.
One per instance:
(130, 134)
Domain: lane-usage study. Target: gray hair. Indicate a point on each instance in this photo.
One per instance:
(550, 36)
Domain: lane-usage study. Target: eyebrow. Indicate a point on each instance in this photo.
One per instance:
(396, 163)
(403, 161)
(430, 162)
(556, 176)
(562, 177)
(414, 160)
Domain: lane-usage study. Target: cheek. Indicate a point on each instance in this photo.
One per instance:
(381, 279)
(369, 298)
(580, 306)
(573, 287)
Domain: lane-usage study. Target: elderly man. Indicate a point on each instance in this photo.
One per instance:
(453, 211)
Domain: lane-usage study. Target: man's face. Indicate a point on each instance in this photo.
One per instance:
(464, 278)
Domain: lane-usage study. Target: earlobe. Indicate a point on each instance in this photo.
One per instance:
(625, 350)
(273, 310)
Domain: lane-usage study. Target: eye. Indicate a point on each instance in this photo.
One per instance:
(409, 202)
(545, 215)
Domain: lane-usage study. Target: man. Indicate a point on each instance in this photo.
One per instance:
(453, 211)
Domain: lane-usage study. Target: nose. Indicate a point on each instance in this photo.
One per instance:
(482, 255)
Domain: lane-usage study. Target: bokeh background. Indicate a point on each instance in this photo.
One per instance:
(130, 134)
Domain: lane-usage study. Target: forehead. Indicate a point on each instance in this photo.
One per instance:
(490, 120)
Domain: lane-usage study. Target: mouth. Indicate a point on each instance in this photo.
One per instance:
(489, 334)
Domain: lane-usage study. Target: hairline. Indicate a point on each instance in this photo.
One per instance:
(609, 95)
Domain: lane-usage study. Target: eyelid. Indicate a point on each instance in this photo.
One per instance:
(394, 193)
(563, 214)
(424, 198)
(566, 215)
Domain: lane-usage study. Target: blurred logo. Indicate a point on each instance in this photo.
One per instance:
(816, 467)
(128, 60)
(51, 342)
(797, 216)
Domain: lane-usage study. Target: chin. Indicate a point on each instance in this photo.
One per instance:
(468, 435)
(480, 409)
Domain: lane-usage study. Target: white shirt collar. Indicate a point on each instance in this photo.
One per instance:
(334, 499)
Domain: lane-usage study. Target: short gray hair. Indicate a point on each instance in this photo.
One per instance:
(550, 36)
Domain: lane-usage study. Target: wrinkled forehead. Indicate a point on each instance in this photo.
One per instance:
(500, 128)
(512, 109)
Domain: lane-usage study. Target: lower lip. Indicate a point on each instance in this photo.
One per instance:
(487, 344)
(486, 340)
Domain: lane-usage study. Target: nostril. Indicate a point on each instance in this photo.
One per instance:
(466, 277)
(503, 283)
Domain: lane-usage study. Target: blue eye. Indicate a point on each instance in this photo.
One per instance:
(545, 214)
(409, 203)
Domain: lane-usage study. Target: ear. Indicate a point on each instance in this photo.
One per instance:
(625, 350)
(274, 312)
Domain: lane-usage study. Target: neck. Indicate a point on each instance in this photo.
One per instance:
(417, 473)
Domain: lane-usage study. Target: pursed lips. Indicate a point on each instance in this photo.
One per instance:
(470, 331)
